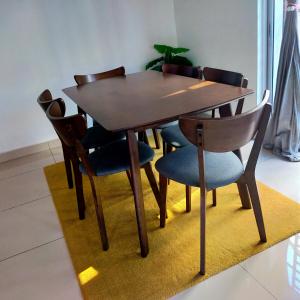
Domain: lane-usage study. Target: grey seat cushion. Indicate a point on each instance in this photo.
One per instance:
(173, 136)
(182, 166)
(115, 158)
(166, 125)
(98, 136)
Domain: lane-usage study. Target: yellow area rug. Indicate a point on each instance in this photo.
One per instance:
(173, 262)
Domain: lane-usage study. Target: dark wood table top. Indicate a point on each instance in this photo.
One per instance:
(141, 99)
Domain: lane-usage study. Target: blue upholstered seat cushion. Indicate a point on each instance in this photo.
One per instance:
(166, 125)
(173, 136)
(115, 158)
(98, 136)
(182, 166)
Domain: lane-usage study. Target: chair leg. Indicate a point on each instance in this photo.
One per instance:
(146, 141)
(79, 188)
(142, 137)
(100, 216)
(129, 178)
(202, 230)
(163, 181)
(244, 195)
(164, 148)
(188, 192)
(214, 195)
(169, 149)
(152, 181)
(156, 138)
(257, 208)
(68, 167)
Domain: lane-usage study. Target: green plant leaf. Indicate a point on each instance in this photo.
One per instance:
(153, 62)
(157, 68)
(180, 60)
(180, 50)
(162, 49)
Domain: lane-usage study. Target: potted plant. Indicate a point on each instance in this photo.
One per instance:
(169, 56)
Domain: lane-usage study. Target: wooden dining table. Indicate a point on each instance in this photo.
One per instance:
(145, 100)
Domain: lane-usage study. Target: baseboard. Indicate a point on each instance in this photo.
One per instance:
(17, 153)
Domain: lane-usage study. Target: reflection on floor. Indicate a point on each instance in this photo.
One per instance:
(34, 262)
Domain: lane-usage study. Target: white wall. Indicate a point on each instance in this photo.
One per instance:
(220, 34)
(45, 42)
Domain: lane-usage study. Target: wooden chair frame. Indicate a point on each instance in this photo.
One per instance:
(44, 100)
(224, 135)
(71, 130)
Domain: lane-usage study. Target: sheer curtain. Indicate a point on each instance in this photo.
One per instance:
(283, 135)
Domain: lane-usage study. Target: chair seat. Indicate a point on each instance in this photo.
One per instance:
(98, 136)
(173, 136)
(166, 125)
(182, 166)
(115, 158)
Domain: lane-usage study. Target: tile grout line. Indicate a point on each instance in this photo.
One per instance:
(29, 171)
(28, 250)
(52, 153)
(25, 203)
(259, 283)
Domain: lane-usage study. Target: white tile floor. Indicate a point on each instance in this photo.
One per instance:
(35, 264)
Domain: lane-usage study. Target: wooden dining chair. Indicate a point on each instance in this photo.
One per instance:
(209, 162)
(44, 100)
(187, 71)
(120, 71)
(174, 138)
(95, 136)
(110, 159)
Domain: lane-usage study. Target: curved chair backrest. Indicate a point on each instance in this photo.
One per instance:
(70, 129)
(188, 71)
(227, 134)
(223, 76)
(45, 99)
(226, 77)
(83, 79)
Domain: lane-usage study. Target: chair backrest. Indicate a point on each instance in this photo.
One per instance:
(226, 77)
(45, 99)
(227, 134)
(223, 76)
(83, 79)
(188, 71)
(70, 129)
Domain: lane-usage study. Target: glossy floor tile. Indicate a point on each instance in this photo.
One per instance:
(232, 284)
(281, 175)
(278, 268)
(44, 273)
(23, 188)
(39, 265)
(25, 164)
(28, 226)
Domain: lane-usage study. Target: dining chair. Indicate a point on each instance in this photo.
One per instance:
(44, 100)
(187, 71)
(209, 163)
(94, 138)
(120, 71)
(174, 138)
(110, 159)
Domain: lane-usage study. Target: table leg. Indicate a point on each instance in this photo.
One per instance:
(137, 192)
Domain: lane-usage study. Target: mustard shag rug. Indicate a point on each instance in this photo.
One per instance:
(173, 261)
